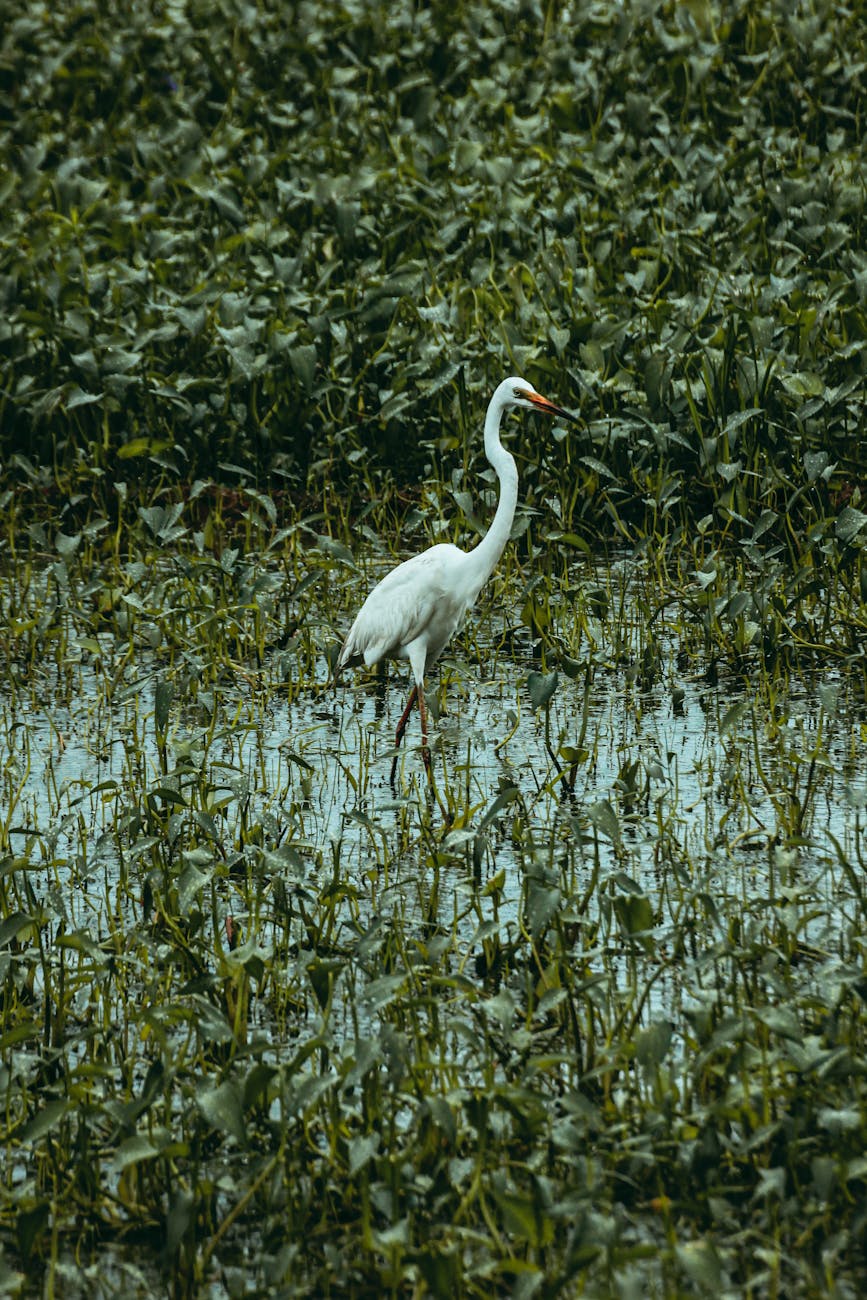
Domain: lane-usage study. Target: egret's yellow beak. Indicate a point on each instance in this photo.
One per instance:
(544, 405)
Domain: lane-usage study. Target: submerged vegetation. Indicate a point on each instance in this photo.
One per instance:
(592, 1021)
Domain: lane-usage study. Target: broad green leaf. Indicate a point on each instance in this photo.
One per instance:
(45, 1120)
(362, 1150)
(221, 1108)
(542, 687)
(79, 397)
(604, 818)
(133, 1151)
(302, 359)
(849, 523)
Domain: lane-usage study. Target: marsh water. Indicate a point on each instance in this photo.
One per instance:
(634, 775)
(221, 870)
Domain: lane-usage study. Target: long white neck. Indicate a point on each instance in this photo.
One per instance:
(482, 560)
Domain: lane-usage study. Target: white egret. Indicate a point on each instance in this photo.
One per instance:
(413, 612)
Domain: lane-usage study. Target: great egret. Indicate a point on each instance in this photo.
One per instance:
(413, 612)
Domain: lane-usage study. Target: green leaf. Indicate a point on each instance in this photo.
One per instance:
(652, 1043)
(542, 687)
(66, 545)
(732, 717)
(337, 550)
(604, 818)
(45, 1120)
(14, 925)
(542, 903)
(700, 1262)
(302, 359)
(503, 799)
(164, 693)
(132, 1151)
(849, 524)
(362, 1150)
(78, 397)
(803, 384)
(634, 912)
(221, 1108)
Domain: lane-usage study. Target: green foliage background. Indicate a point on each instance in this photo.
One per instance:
(305, 239)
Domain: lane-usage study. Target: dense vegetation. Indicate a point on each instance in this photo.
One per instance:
(282, 236)
(592, 1019)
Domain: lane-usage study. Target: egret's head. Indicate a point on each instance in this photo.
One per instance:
(518, 392)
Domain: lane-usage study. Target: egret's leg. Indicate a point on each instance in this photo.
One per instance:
(404, 717)
(422, 708)
(401, 728)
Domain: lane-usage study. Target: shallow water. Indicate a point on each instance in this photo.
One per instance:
(712, 785)
(673, 840)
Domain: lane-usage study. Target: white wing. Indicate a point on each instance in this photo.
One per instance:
(420, 599)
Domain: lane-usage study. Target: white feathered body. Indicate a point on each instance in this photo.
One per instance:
(413, 612)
